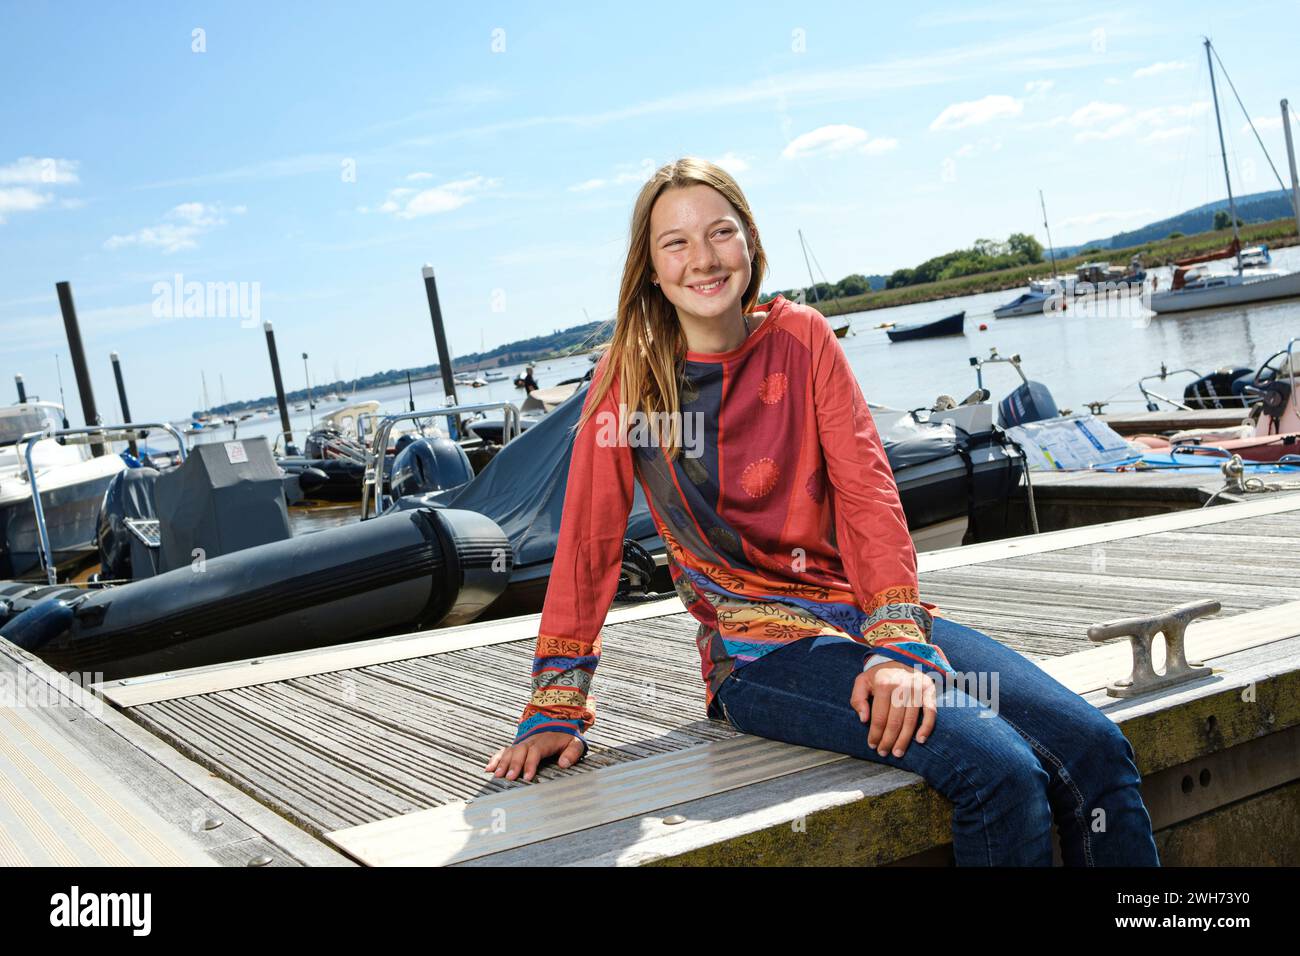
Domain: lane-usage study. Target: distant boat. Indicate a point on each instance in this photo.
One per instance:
(843, 330)
(1044, 295)
(1256, 257)
(1201, 289)
(1101, 275)
(1194, 286)
(1035, 302)
(949, 325)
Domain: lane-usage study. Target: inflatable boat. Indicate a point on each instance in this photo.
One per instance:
(198, 567)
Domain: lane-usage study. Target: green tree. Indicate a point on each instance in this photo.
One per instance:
(900, 278)
(1222, 220)
(1025, 247)
(855, 284)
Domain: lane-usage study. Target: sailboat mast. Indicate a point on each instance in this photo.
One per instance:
(1232, 203)
(812, 283)
(1050, 249)
(1290, 156)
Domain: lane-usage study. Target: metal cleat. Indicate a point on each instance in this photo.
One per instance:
(1141, 631)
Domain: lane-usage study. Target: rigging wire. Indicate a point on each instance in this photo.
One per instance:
(1187, 151)
(1248, 119)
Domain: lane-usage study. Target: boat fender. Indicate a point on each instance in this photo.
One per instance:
(39, 624)
(311, 479)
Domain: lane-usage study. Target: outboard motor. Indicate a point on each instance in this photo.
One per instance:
(403, 571)
(227, 496)
(127, 528)
(1210, 391)
(429, 464)
(1031, 402)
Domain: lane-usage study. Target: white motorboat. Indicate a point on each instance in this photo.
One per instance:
(71, 483)
(1256, 257)
(1037, 301)
(1044, 295)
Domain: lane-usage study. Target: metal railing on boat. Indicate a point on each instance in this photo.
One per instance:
(511, 429)
(130, 431)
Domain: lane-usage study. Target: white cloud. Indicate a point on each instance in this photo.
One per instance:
(1160, 135)
(1039, 88)
(39, 171)
(406, 203)
(180, 229)
(415, 177)
(1103, 121)
(637, 173)
(1096, 112)
(986, 144)
(18, 178)
(1093, 218)
(21, 199)
(732, 163)
(836, 139)
(1155, 69)
(976, 112)
(1162, 114)
(1270, 122)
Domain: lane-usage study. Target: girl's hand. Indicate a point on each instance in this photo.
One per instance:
(899, 695)
(528, 753)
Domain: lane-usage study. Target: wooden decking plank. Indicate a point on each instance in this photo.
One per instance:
(552, 809)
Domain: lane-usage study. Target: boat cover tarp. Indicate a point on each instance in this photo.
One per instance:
(522, 488)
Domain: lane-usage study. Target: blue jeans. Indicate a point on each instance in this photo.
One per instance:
(1022, 751)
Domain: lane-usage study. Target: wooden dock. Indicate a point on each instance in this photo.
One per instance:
(1075, 499)
(373, 752)
(1173, 420)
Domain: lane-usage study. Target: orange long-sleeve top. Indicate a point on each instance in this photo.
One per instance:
(781, 519)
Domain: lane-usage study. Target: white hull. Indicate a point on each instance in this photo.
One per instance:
(1249, 289)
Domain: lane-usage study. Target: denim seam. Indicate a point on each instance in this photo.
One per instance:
(726, 713)
(941, 752)
(1064, 774)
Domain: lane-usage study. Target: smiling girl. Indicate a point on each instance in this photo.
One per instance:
(787, 541)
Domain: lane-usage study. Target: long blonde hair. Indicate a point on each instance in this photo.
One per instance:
(647, 349)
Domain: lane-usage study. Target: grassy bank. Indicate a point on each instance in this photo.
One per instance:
(1277, 234)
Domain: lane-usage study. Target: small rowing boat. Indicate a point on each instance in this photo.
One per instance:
(949, 325)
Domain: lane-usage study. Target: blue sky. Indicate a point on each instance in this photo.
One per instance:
(317, 154)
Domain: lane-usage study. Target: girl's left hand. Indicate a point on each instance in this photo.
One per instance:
(899, 695)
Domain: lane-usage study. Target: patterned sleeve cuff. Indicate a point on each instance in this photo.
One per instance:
(929, 657)
(874, 660)
(540, 723)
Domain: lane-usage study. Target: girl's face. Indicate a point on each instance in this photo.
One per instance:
(700, 252)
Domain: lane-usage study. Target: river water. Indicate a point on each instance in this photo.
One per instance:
(1092, 352)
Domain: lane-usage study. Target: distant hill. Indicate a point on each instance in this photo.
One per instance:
(1257, 207)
